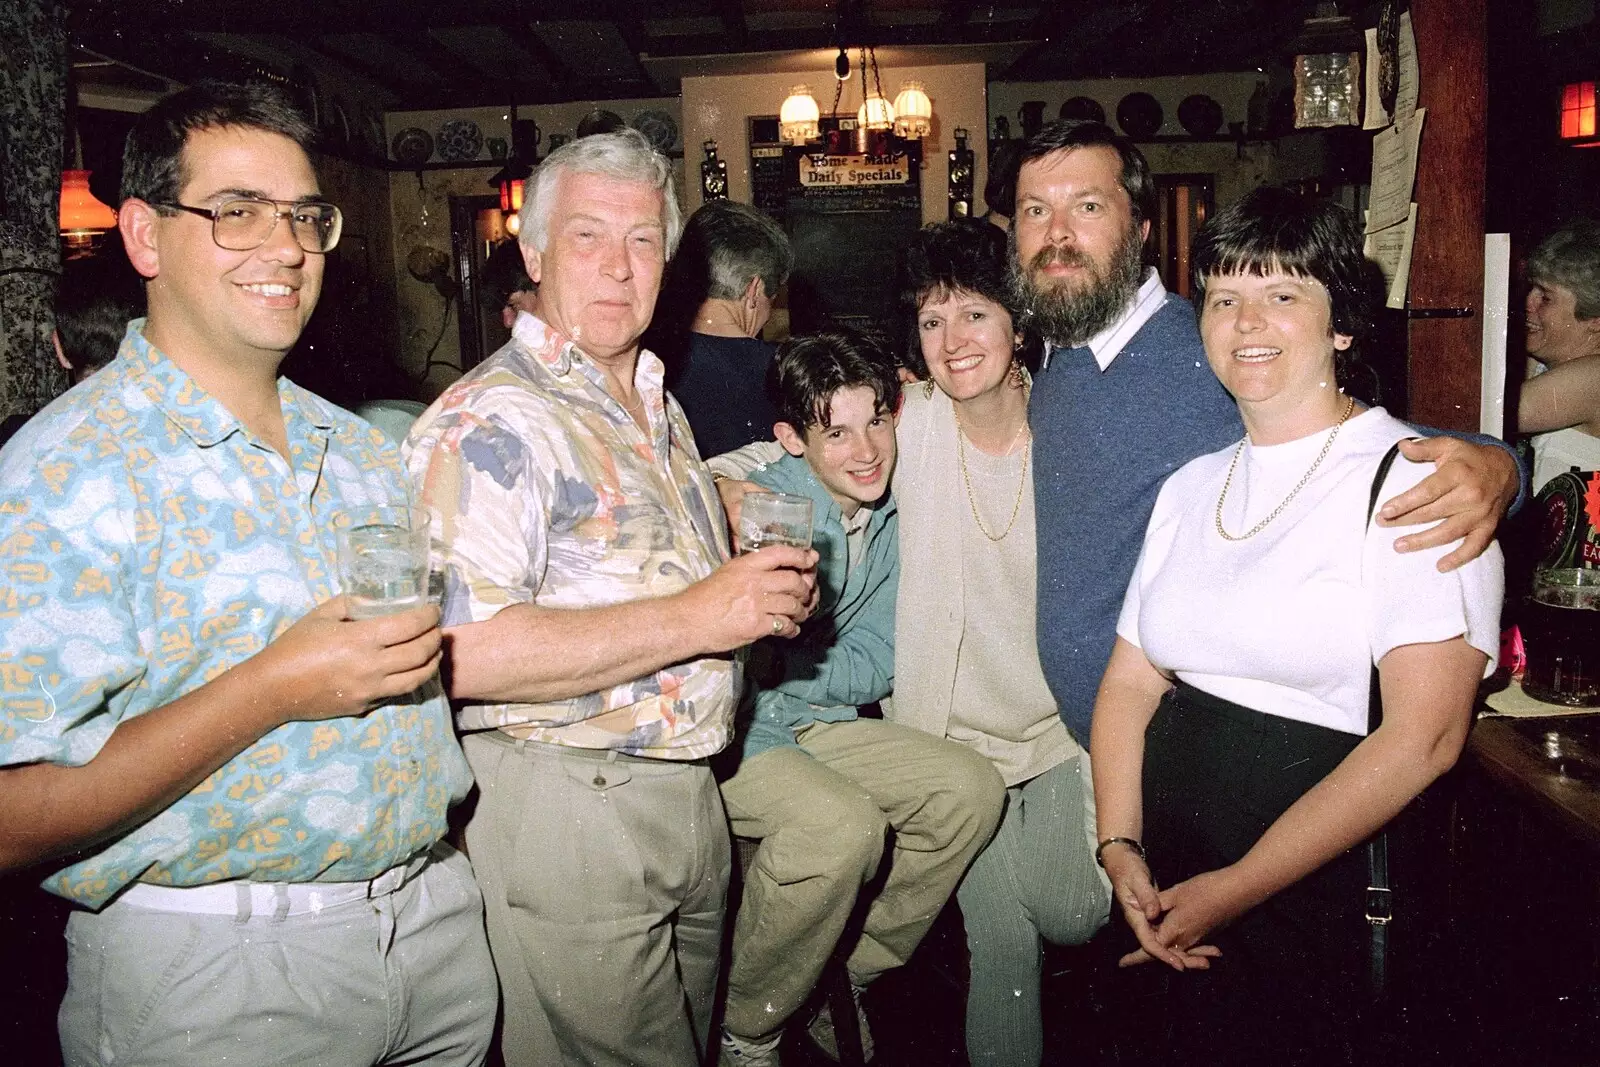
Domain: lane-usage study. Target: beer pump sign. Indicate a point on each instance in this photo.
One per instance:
(821, 170)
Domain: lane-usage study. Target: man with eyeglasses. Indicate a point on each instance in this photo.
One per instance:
(244, 790)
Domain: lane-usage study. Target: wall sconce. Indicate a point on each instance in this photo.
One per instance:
(913, 112)
(1327, 70)
(82, 216)
(1577, 111)
(713, 174)
(799, 118)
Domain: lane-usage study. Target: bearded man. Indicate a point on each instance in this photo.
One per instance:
(1126, 397)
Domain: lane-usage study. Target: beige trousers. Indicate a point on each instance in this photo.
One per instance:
(603, 886)
(821, 812)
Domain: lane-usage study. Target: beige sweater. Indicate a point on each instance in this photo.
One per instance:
(931, 610)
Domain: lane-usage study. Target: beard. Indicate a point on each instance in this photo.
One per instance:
(1067, 312)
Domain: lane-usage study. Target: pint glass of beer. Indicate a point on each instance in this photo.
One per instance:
(1562, 633)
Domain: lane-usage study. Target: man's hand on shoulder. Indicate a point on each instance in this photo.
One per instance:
(1470, 490)
(326, 666)
(759, 594)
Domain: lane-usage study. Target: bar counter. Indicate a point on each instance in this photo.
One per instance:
(1547, 755)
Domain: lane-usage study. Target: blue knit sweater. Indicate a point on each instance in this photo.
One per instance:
(1103, 442)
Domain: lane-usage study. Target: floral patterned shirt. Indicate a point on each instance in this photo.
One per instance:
(543, 490)
(148, 543)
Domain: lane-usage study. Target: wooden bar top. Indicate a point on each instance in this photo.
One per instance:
(1551, 763)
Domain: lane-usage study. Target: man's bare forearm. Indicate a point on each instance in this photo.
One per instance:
(530, 655)
(148, 764)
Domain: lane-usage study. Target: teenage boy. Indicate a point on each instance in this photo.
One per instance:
(817, 785)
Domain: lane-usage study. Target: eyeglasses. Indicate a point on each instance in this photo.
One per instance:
(245, 224)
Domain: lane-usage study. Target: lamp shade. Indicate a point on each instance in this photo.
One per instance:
(913, 112)
(875, 113)
(799, 117)
(81, 214)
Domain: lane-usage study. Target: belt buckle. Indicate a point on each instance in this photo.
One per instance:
(1379, 909)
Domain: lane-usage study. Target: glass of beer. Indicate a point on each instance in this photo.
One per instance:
(774, 519)
(383, 567)
(1562, 633)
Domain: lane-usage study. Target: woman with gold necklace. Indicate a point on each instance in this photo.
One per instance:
(966, 652)
(1234, 772)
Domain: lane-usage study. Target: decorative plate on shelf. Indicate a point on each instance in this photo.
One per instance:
(1083, 108)
(412, 146)
(658, 128)
(1139, 115)
(459, 139)
(1200, 115)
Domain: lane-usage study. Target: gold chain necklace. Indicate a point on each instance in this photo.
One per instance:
(1350, 405)
(966, 479)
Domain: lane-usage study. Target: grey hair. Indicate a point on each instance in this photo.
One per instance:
(738, 243)
(1570, 258)
(624, 155)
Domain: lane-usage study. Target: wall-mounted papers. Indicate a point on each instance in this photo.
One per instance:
(1402, 66)
(1394, 172)
(1390, 249)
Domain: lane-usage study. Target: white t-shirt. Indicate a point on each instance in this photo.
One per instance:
(1559, 451)
(1290, 621)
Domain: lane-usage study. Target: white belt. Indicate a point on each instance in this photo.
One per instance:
(242, 899)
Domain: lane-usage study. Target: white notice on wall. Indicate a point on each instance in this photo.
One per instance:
(1390, 249)
(1394, 172)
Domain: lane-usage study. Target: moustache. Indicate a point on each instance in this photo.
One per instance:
(1051, 255)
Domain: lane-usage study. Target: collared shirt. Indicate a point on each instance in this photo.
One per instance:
(544, 491)
(148, 543)
(1109, 342)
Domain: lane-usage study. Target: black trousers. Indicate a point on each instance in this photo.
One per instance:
(1290, 986)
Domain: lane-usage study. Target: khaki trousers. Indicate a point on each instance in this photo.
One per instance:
(603, 885)
(400, 978)
(821, 812)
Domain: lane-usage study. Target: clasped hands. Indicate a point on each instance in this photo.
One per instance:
(1172, 924)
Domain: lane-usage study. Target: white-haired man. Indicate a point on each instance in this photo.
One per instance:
(591, 608)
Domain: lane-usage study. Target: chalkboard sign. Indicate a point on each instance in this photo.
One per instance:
(848, 216)
(768, 185)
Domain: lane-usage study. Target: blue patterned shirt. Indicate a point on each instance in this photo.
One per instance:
(148, 543)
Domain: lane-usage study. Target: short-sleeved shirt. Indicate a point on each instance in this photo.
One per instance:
(544, 491)
(1291, 619)
(149, 543)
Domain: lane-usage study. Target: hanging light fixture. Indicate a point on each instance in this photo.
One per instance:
(511, 179)
(913, 112)
(799, 118)
(875, 113)
(1327, 69)
(82, 216)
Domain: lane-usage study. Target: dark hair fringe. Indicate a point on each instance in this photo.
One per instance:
(152, 156)
(807, 371)
(1272, 229)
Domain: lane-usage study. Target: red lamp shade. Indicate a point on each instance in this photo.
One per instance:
(1577, 111)
(81, 213)
(511, 196)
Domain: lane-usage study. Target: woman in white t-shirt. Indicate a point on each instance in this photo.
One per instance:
(1231, 805)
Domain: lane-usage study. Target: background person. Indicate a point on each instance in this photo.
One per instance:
(1562, 404)
(592, 612)
(95, 300)
(716, 300)
(1262, 594)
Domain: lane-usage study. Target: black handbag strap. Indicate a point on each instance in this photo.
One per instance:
(1380, 909)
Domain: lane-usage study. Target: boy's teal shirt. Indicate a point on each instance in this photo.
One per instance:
(844, 656)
